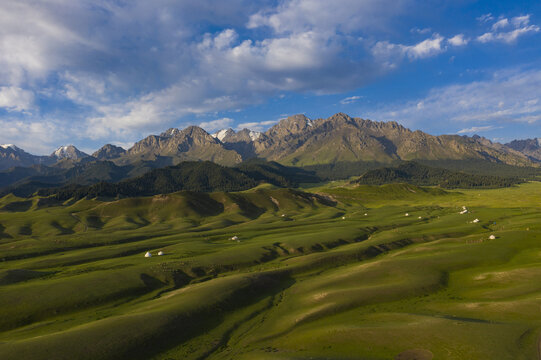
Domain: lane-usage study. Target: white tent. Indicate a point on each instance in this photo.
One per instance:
(235, 237)
(492, 237)
(475, 221)
(160, 253)
(148, 254)
(406, 214)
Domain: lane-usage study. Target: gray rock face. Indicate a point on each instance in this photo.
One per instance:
(528, 147)
(109, 151)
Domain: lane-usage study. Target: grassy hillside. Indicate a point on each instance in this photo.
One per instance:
(339, 273)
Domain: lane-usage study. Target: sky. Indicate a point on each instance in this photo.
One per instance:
(91, 72)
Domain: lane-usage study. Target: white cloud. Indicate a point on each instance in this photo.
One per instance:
(393, 53)
(421, 31)
(521, 27)
(16, 99)
(36, 39)
(478, 129)
(257, 126)
(505, 98)
(36, 136)
(503, 23)
(519, 21)
(298, 16)
(485, 18)
(218, 124)
(458, 40)
(350, 100)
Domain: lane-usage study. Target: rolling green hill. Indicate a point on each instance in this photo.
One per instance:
(339, 273)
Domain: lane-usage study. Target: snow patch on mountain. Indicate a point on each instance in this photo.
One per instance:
(68, 152)
(220, 135)
(9, 146)
(254, 135)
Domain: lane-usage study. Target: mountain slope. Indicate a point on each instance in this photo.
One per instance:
(198, 176)
(298, 140)
(11, 155)
(529, 147)
(417, 174)
(190, 144)
(68, 152)
(108, 151)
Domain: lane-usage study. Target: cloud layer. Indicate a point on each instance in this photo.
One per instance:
(505, 98)
(104, 69)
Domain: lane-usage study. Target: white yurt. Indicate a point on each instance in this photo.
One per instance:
(148, 254)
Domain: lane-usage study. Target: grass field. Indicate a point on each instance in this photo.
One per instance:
(336, 272)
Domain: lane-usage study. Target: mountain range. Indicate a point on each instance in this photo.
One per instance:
(337, 141)
(296, 140)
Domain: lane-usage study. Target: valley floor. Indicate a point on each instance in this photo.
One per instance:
(274, 274)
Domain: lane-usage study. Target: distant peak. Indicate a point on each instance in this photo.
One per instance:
(194, 130)
(170, 132)
(220, 135)
(9, 146)
(108, 151)
(294, 124)
(254, 135)
(68, 152)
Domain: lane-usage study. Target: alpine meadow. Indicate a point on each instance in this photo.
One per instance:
(280, 180)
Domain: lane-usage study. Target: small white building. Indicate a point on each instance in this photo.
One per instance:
(148, 254)
(160, 253)
(235, 238)
(475, 221)
(492, 237)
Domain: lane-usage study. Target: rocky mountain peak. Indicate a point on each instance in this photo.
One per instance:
(109, 151)
(196, 132)
(223, 134)
(9, 147)
(68, 152)
(528, 147)
(170, 132)
(291, 125)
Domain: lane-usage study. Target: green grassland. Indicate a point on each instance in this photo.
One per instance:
(332, 272)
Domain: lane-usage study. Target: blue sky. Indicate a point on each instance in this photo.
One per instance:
(91, 72)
